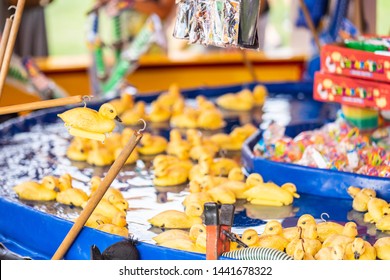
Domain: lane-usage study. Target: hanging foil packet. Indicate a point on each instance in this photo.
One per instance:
(200, 27)
(231, 22)
(248, 37)
(185, 12)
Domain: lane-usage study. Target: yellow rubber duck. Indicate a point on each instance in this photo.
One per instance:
(133, 115)
(177, 146)
(216, 167)
(309, 237)
(72, 196)
(203, 183)
(171, 234)
(97, 219)
(251, 238)
(325, 229)
(152, 144)
(210, 119)
(125, 102)
(330, 253)
(113, 229)
(158, 112)
(360, 249)
(300, 253)
(235, 139)
(271, 194)
(170, 175)
(194, 208)
(78, 149)
(170, 97)
(360, 197)
(346, 237)
(169, 161)
(44, 191)
(91, 124)
(174, 219)
(235, 183)
(222, 195)
(99, 155)
(240, 101)
(254, 179)
(107, 209)
(204, 104)
(200, 146)
(382, 247)
(198, 197)
(260, 94)
(113, 195)
(182, 244)
(294, 232)
(376, 208)
(383, 224)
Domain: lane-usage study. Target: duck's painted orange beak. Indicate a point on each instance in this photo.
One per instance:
(118, 119)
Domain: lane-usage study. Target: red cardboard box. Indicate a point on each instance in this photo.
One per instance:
(349, 91)
(340, 60)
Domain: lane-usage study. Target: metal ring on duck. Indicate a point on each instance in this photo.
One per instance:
(257, 253)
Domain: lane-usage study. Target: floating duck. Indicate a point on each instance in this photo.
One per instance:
(182, 244)
(72, 196)
(222, 195)
(44, 191)
(325, 229)
(210, 119)
(170, 97)
(198, 197)
(158, 112)
(300, 253)
(125, 102)
(113, 229)
(184, 118)
(174, 219)
(107, 209)
(360, 249)
(194, 208)
(346, 237)
(235, 183)
(382, 247)
(294, 232)
(78, 149)
(113, 195)
(152, 144)
(240, 101)
(133, 115)
(171, 175)
(260, 94)
(97, 219)
(376, 208)
(330, 253)
(251, 238)
(99, 155)
(383, 224)
(308, 235)
(203, 183)
(254, 179)
(171, 234)
(271, 194)
(88, 123)
(360, 197)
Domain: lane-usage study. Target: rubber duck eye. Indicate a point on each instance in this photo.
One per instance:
(250, 237)
(271, 228)
(201, 230)
(303, 223)
(111, 111)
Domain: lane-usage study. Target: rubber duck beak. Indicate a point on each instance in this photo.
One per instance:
(118, 119)
(356, 255)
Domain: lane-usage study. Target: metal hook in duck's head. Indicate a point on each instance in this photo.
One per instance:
(142, 129)
(324, 214)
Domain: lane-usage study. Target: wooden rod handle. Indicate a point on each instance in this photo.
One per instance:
(97, 196)
(4, 39)
(11, 43)
(41, 104)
